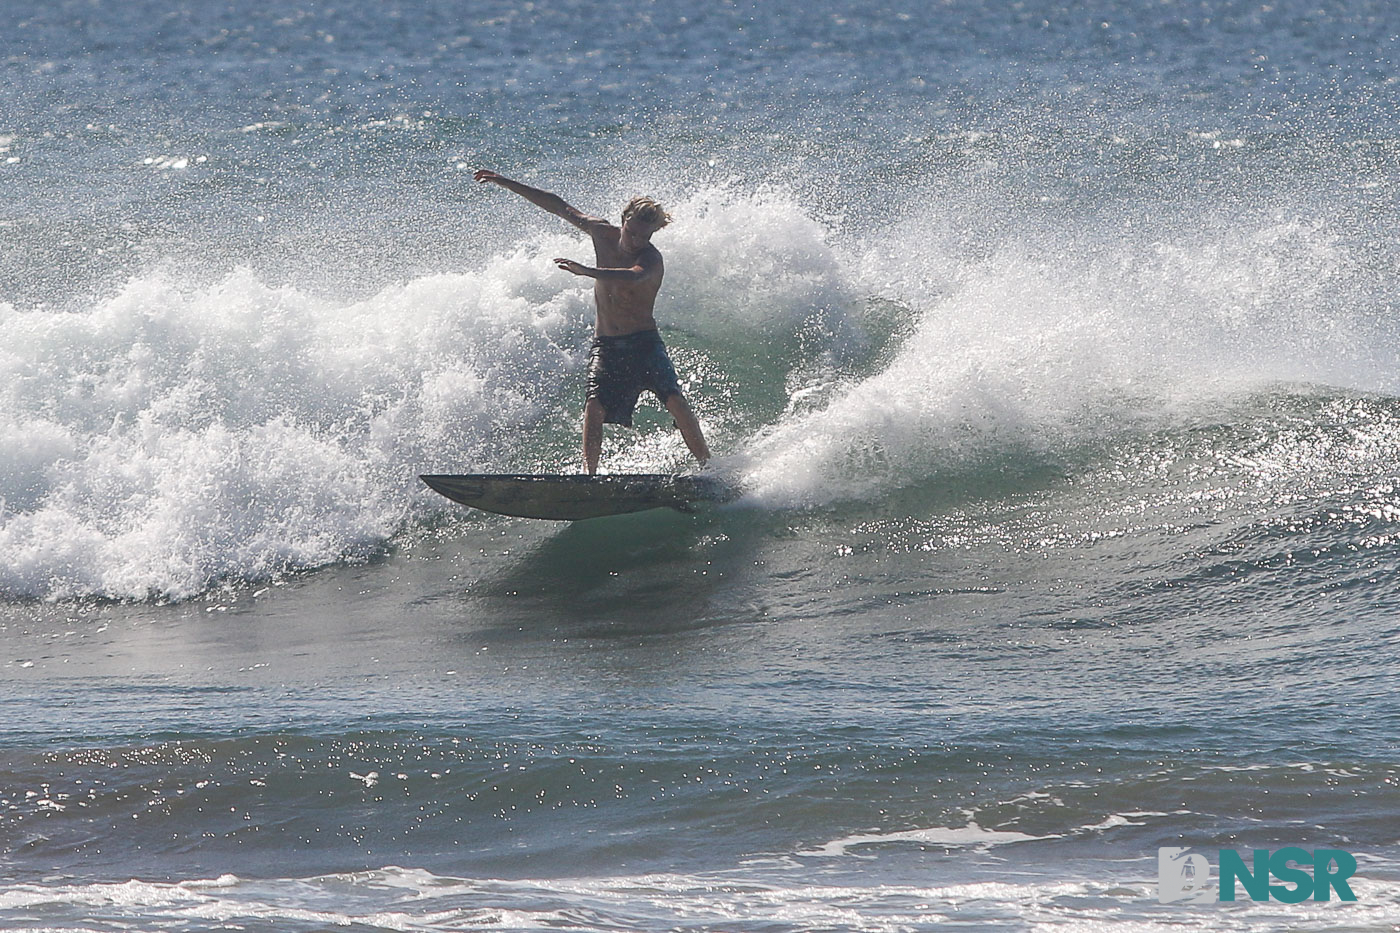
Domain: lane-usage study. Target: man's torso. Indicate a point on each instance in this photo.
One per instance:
(625, 307)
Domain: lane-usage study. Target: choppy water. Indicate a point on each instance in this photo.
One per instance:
(1054, 345)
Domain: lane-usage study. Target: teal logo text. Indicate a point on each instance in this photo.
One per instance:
(1290, 875)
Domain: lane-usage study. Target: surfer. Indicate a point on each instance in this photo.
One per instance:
(627, 355)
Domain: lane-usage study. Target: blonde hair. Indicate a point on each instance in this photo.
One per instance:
(647, 211)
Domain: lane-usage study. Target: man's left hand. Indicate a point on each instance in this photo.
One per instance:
(568, 265)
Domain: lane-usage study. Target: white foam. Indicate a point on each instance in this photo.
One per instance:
(1116, 820)
(1040, 345)
(168, 438)
(969, 836)
(173, 436)
(1073, 896)
(759, 262)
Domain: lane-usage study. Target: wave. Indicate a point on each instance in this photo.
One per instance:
(174, 436)
(167, 438)
(1048, 343)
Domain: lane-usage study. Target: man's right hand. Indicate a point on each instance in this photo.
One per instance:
(543, 199)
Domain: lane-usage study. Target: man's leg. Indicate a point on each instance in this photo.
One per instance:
(690, 428)
(592, 434)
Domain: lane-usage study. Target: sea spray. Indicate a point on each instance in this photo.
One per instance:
(168, 439)
(1057, 338)
(176, 435)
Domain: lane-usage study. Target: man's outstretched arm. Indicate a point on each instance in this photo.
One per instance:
(550, 202)
(642, 270)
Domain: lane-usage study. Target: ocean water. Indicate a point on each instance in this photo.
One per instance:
(1056, 347)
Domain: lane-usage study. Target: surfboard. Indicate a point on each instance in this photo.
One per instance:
(574, 497)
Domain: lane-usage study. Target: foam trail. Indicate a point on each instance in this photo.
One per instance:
(1040, 347)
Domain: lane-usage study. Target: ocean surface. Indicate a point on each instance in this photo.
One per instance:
(1056, 347)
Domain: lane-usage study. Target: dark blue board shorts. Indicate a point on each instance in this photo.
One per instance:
(621, 368)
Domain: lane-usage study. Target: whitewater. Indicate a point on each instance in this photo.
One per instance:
(177, 437)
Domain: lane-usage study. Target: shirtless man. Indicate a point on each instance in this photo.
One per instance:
(628, 355)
